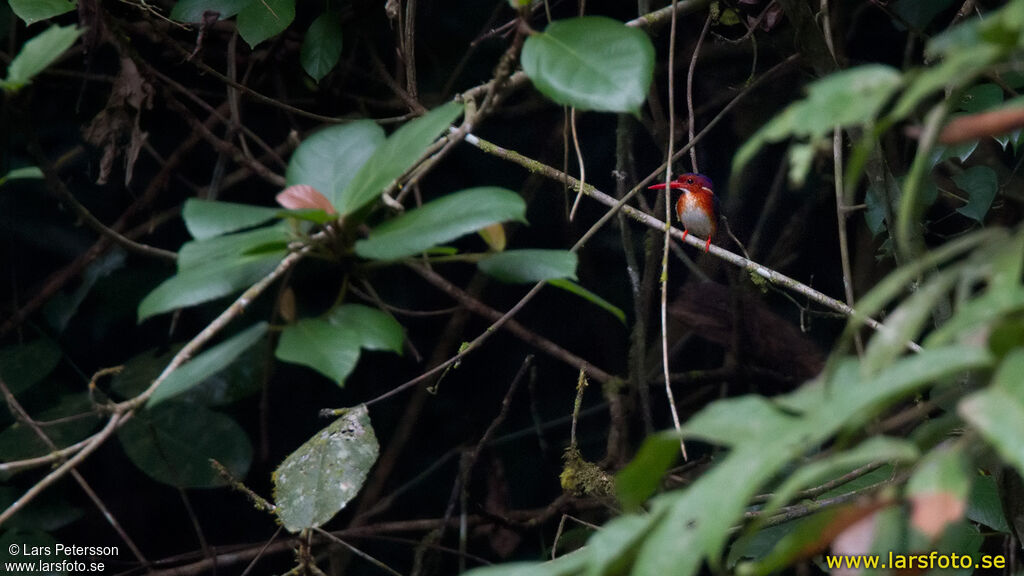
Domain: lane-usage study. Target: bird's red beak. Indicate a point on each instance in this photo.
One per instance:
(673, 184)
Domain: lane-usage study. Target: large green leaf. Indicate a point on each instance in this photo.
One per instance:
(69, 419)
(207, 364)
(22, 365)
(568, 565)
(264, 18)
(850, 97)
(203, 283)
(324, 474)
(193, 10)
(591, 63)
(981, 184)
(399, 153)
(441, 220)
(174, 442)
(207, 218)
(331, 345)
(199, 253)
(331, 157)
(998, 411)
(37, 54)
(322, 46)
(522, 266)
(32, 11)
(241, 378)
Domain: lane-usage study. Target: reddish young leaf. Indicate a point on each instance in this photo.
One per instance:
(304, 197)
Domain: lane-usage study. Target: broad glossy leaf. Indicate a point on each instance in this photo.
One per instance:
(331, 345)
(207, 218)
(207, 364)
(263, 19)
(32, 11)
(985, 506)
(174, 442)
(574, 288)
(591, 63)
(441, 220)
(203, 283)
(981, 183)
(22, 365)
(981, 97)
(877, 449)
(199, 253)
(374, 329)
(324, 474)
(71, 418)
(193, 10)
(23, 173)
(522, 266)
(399, 153)
(850, 97)
(641, 478)
(331, 157)
(240, 379)
(37, 54)
(917, 13)
(998, 411)
(322, 46)
(568, 565)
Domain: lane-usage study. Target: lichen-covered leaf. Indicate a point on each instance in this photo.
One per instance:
(324, 474)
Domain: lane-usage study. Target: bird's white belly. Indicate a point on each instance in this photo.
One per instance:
(695, 220)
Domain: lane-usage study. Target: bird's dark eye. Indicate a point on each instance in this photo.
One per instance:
(689, 180)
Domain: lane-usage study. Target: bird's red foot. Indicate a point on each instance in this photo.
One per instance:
(685, 232)
(707, 245)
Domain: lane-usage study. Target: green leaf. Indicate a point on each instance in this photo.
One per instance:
(374, 330)
(847, 98)
(570, 564)
(641, 478)
(241, 378)
(523, 266)
(322, 47)
(998, 411)
(203, 283)
(174, 442)
(591, 63)
(207, 364)
(574, 288)
(905, 323)
(324, 474)
(24, 173)
(330, 158)
(958, 68)
(440, 221)
(37, 54)
(200, 253)
(399, 153)
(984, 505)
(982, 184)
(331, 345)
(207, 218)
(263, 19)
(32, 11)
(70, 419)
(22, 365)
(193, 10)
(877, 449)
(918, 13)
(981, 97)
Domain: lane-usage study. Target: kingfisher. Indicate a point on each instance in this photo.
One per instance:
(697, 207)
